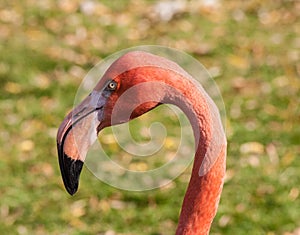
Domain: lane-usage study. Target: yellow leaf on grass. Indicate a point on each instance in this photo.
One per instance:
(12, 87)
(238, 62)
(27, 145)
(252, 148)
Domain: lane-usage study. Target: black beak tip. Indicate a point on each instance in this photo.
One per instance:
(70, 171)
(73, 190)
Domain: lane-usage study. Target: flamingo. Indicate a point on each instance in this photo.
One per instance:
(164, 82)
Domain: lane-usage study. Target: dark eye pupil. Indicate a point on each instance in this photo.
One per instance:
(112, 85)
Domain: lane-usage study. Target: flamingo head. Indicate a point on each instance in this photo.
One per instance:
(125, 91)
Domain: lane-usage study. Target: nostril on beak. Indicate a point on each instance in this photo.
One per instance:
(76, 115)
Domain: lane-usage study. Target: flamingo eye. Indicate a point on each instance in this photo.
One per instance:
(112, 85)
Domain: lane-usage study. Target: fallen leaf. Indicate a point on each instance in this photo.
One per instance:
(139, 166)
(238, 61)
(12, 87)
(78, 208)
(252, 148)
(27, 145)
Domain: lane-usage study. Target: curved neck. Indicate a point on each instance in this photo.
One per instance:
(171, 84)
(203, 193)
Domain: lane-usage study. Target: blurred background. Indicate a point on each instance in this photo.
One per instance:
(251, 48)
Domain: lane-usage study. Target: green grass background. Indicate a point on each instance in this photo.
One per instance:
(251, 48)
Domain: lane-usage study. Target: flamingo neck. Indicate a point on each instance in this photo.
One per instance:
(201, 199)
(173, 85)
(203, 193)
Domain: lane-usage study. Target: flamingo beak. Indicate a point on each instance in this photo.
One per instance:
(76, 134)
